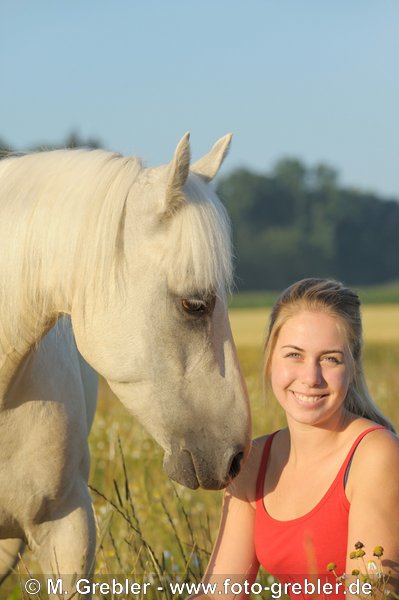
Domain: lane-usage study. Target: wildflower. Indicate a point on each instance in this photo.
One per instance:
(359, 545)
(372, 567)
(378, 551)
(331, 566)
(355, 572)
(359, 553)
(352, 554)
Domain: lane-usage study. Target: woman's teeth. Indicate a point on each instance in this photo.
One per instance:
(307, 399)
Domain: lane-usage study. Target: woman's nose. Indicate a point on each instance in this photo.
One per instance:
(311, 374)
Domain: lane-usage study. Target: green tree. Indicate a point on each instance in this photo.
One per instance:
(298, 221)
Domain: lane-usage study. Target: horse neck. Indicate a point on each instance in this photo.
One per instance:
(10, 361)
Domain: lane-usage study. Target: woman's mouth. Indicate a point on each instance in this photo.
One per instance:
(308, 399)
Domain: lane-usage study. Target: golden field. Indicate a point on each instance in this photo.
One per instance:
(380, 324)
(149, 527)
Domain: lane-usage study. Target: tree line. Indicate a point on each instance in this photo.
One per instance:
(297, 221)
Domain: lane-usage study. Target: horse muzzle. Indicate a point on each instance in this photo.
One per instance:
(191, 469)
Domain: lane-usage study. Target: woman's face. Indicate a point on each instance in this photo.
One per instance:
(310, 368)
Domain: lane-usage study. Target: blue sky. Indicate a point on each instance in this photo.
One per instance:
(318, 80)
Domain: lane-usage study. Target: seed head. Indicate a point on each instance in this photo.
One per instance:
(378, 551)
(359, 553)
(359, 545)
(355, 572)
(331, 566)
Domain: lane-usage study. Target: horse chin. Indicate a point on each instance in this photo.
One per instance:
(183, 471)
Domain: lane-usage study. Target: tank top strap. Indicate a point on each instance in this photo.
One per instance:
(262, 468)
(344, 470)
(341, 475)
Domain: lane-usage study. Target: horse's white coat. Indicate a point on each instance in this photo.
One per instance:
(113, 248)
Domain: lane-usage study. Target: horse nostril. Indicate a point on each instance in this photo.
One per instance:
(235, 465)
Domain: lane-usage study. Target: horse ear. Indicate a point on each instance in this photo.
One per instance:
(178, 173)
(208, 166)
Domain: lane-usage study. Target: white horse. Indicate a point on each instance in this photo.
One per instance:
(127, 267)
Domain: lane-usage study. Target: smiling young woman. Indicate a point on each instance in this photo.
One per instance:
(310, 369)
(308, 493)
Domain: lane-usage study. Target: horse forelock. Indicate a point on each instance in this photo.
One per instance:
(197, 255)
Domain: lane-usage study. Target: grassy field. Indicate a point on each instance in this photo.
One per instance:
(149, 527)
(387, 293)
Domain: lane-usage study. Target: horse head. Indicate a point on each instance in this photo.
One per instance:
(160, 334)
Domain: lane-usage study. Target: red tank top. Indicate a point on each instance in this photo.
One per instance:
(295, 549)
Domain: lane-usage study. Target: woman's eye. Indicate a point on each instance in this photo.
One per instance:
(197, 306)
(293, 355)
(332, 359)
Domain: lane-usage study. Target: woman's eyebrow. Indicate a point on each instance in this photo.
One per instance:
(323, 352)
(295, 347)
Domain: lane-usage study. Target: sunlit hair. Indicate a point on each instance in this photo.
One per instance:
(333, 298)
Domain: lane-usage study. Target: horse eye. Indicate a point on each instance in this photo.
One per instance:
(195, 306)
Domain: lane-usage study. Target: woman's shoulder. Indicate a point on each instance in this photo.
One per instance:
(376, 455)
(376, 438)
(244, 485)
(380, 442)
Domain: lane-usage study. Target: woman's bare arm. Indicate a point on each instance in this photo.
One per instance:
(373, 492)
(233, 558)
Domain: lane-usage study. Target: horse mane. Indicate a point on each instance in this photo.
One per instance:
(44, 200)
(65, 211)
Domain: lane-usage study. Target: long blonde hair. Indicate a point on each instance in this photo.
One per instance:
(334, 298)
